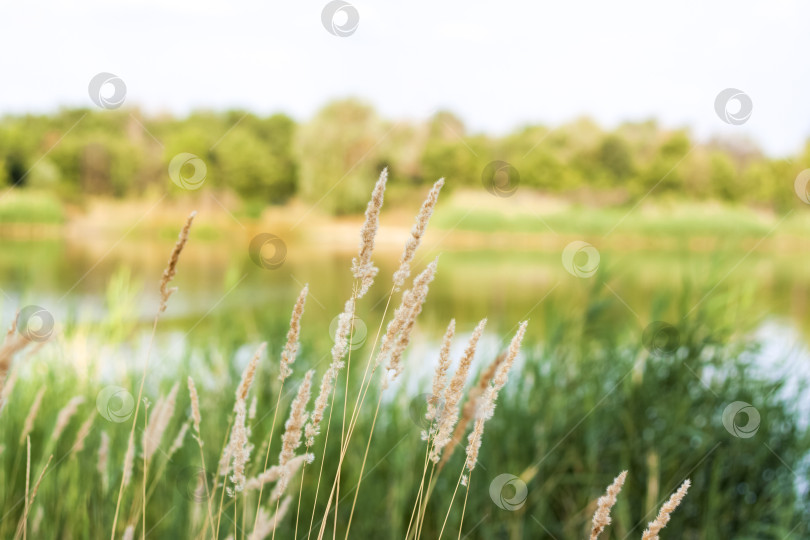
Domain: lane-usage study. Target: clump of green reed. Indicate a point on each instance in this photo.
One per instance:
(590, 402)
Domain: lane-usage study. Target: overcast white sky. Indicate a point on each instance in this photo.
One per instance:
(496, 64)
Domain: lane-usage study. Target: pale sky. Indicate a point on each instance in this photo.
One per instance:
(498, 65)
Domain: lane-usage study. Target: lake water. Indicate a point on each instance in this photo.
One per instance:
(763, 294)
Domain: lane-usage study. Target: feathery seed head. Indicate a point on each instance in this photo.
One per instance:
(64, 416)
(291, 347)
(171, 267)
(195, 405)
(412, 302)
(453, 393)
(363, 269)
(249, 373)
(291, 439)
(601, 517)
(417, 232)
(654, 527)
(440, 375)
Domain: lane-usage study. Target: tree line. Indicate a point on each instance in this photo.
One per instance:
(269, 159)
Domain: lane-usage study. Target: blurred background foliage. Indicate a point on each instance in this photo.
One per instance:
(268, 160)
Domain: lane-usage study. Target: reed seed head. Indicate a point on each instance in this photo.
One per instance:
(363, 269)
(266, 523)
(412, 301)
(249, 373)
(159, 421)
(195, 405)
(487, 403)
(103, 458)
(171, 267)
(291, 439)
(440, 375)
(664, 515)
(129, 461)
(65, 414)
(84, 431)
(28, 426)
(453, 393)
(417, 232)
(469, 408)
(239, 448)
(291, 347)
(601, 517)
(274, 473)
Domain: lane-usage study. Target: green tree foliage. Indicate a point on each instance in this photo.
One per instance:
(338, 154)
(255, 159)
(449, 153)
(333, 159)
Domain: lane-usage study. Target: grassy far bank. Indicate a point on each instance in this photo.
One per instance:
(528, 212)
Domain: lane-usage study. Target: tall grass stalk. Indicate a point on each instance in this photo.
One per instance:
(165, 293)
